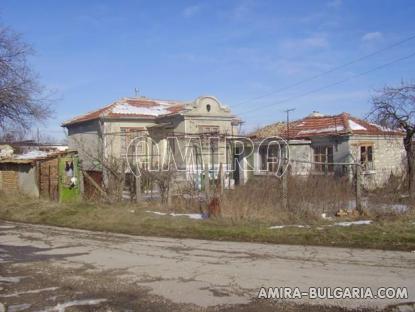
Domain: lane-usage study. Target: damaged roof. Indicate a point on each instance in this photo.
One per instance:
(32, 156)
(132, 108)
(317, 124)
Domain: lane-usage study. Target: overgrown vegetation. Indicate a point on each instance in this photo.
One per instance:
(308, 197)
(247, 219)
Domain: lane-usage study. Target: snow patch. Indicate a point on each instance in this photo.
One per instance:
(11, 279)
(355, 126)
(60, 307)
(18, 307)
(360, 222)
(328, 129)
(7, 227)
(34, 291)
(386, 129)
(136, 110)
(157, 213)
(32, 155)
(399, 208)
(274, 227)
(194, 216)
(345, 223)
(62, 148)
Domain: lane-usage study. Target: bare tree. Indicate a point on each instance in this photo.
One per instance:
(12, 134)
(394, 107)
(22, 99)
(163, 179)
(113, 168)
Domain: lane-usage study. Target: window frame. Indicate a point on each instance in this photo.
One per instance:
(269, 155)
(127, 135)
(209, 129)
(366, 156)
(323, 157)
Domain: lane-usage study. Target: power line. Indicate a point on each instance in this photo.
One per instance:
(333, 84)
(331, 70)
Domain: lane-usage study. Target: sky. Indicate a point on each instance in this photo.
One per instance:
(90, 53)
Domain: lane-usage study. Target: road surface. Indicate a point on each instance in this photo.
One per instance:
(50, 269)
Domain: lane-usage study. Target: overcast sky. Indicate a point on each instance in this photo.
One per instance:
(92, 52)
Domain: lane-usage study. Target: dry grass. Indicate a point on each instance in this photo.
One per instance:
(309, 197)
(387, 233)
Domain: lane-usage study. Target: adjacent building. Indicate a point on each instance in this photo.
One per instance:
(322, 144)
(53, 175)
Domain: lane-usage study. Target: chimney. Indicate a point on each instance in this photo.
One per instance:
(316, 114)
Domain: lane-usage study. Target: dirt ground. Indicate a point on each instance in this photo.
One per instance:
(46, 268)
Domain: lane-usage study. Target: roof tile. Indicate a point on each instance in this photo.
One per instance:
(132, 107)
(310, 126)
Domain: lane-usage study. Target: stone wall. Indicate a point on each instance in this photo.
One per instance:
(27, 181)
(19, 178)
(9, 178)
(388, 158)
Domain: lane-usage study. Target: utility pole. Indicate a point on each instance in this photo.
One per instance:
(359, 206)
(38, 138)
(284, 178)
(287, 111)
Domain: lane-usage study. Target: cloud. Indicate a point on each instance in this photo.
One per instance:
(191, 10)
(311, 42)
(242, 10)
(287, 67)
(316, 42)
(334, 3)
(372, 36)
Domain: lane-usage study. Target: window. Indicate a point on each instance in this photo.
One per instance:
(208, 107)
(128, 135)
(210, 143)
(323, 154)
(269, 157)
(209, 129)
(366, 156)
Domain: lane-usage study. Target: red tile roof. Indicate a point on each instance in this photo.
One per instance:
(132, 108)
(321, 125)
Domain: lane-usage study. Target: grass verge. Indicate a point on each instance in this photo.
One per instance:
(393, 233)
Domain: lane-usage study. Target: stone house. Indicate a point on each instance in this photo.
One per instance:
(320, 144)
(152, 132)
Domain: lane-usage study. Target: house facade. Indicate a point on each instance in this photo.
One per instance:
(320, 144)
(155, 133)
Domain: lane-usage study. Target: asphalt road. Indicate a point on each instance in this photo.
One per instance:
(46, 268)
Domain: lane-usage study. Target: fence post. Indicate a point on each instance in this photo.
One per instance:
(138, 196)
(284, 185)
(220, 181)
(207, 182)
(169, 195)
(359, 207)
